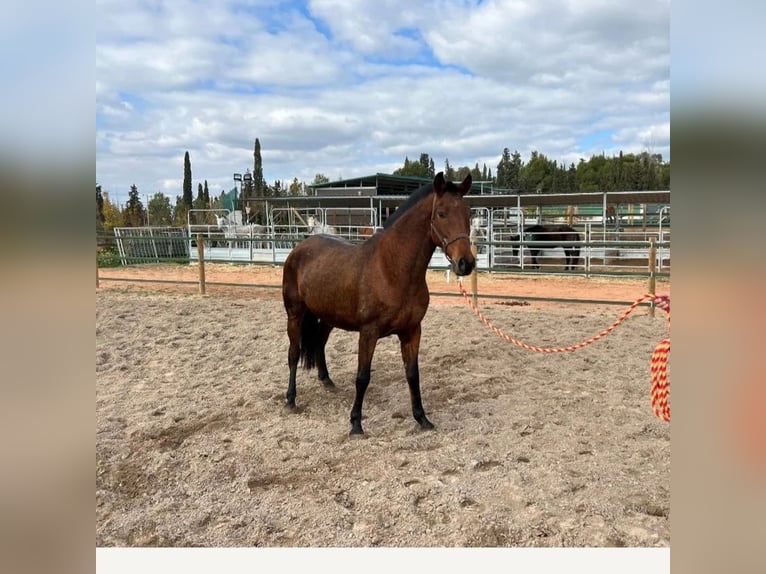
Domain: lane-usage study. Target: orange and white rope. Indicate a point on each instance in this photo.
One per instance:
(660, 389)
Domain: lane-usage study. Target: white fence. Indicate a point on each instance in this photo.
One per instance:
(495, 232)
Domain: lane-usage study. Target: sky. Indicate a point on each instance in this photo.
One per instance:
(348, 89)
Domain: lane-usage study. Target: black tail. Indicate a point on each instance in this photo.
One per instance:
(309, 340)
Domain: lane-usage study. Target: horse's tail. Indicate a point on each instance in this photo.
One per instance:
(309, 340)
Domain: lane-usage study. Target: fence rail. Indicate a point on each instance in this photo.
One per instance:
(615, 253)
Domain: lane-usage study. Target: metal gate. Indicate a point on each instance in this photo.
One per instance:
(151, 244)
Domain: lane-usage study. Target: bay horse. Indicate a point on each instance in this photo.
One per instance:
(565, 235)
(377, 287)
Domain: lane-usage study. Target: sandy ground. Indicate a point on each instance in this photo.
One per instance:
(194, 447)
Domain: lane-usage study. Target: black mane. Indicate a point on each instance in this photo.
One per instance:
(414, 198)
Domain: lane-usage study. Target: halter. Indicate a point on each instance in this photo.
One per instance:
(444, 242)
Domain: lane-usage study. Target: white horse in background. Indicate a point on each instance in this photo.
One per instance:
(316, 226)
(478, 233)
(234, 231)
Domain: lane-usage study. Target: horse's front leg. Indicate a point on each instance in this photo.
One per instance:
(367, 342)
(533, 253)
(410, 343)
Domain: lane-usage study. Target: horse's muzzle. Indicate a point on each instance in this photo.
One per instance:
(464, 266)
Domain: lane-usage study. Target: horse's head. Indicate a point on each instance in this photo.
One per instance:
(451, 223)
(220, 220)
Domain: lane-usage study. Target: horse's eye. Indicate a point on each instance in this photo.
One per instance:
(441, 214)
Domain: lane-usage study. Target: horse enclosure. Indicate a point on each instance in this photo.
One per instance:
(498, 233)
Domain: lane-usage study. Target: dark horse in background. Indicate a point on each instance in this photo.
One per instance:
(377, 287)
(560, 235)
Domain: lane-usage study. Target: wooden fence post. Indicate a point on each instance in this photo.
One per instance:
(474, 274)
(652, 270)
(201, 257)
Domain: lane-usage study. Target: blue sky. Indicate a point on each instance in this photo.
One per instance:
(351, 88)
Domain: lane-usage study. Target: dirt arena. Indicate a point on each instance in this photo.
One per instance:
(195, 448)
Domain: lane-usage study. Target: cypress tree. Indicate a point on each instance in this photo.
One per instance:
(187, 189)
(259, 185)
(199, 202)
(99, 208)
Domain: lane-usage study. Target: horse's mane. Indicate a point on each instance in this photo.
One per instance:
(413, 199)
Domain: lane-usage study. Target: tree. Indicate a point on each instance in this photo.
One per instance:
(134, 214)
(427, 165)
(572, 178)
(559, 179)
(296, 187)
(99, 209)
(187, 186)
(462, 172)
(259, 184)
(180, 212)
(199, 202)
(509, 170)
(663, 178)
(112, 216)
(320, 178)
(539, 174)
(206, 196)
(415, 168)
(159, 210)
(449, 172)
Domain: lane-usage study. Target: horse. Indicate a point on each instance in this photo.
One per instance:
(478, 234)
(564, 235)
(317, 226)
(376, 288)
(234, 231)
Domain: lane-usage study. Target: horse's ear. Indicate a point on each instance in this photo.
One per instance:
(465, 185)
(439, 184)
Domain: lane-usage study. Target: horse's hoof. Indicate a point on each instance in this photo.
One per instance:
(425, 424)
(356, 432)
(327, 382)
(290, 405)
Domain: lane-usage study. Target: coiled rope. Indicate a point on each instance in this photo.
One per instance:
(660, 385)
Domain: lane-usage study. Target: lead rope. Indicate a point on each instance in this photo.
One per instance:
(660, 387)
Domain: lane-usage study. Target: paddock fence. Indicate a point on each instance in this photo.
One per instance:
(616, 253)
(499, 245)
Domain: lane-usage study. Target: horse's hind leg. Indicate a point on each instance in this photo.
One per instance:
(324, 334)
(294, 353)
(410, 343)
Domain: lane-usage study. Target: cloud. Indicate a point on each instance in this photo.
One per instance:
(351, 88)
